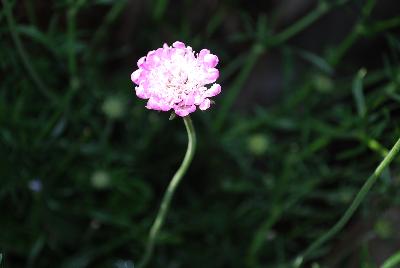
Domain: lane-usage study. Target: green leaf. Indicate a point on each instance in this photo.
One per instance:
(392, 261)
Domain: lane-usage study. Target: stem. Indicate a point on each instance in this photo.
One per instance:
(71, 34)
(385, 25)
(166, 201)
(357, 31)
(354, 205)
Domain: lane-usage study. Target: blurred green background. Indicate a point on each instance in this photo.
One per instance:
(310, 105)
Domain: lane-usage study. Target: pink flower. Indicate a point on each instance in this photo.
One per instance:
(177, 78)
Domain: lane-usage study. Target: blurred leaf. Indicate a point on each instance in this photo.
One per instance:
(59, 128)
(124, 264)
(37, 36)
(316, 60)
(215, 22)
(358, 92)
(262, 29)
(392, 261)
(36, 249)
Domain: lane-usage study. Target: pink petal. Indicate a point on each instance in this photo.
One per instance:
(191, 108)
(214, 90)
(153, 104)
(141, 92)
(211, 60)
(198, 99)
(213, 75)
(178, 44)
(158, 104)
(189, 100)
(184, 110)
(203, 53)
(150, 53)
(181, 112)
(135, 76)
(205, 104)
(141, 61)
(164, 107)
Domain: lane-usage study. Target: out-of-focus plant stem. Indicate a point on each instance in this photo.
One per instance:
(71, 36)
(353, 207)
(358, 30)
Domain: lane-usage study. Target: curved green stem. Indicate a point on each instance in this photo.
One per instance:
(166, 201)
(354, 205)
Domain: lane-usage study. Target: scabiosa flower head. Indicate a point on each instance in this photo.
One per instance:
(175, 77)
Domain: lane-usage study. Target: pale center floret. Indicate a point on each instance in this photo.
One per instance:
(175, 79)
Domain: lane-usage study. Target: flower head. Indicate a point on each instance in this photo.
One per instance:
(174, 77)
(35, 185)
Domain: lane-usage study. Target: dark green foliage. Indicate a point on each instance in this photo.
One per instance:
(83, 164)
